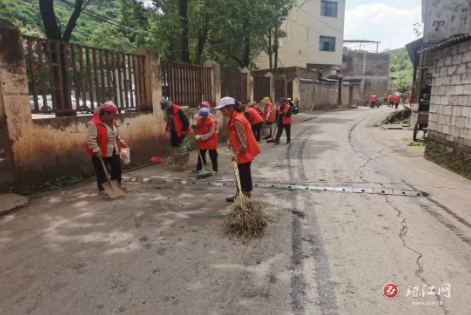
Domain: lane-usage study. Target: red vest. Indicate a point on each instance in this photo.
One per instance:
(285, 120)
(385, 96)
(178, 122)
(373, 98)
(252, 146)
(204, 128)
(102, 136)
(272, 114)
(397, 99)
(254, 116)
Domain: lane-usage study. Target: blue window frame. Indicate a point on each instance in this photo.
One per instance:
(327, 43)
(329, 8)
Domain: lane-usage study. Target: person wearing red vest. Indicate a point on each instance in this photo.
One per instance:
(241, 141)
(104, 142)
(207, 136)
(397, 100)
(391, 100)
(268, 114)
(385, 98)
(373, 100)
(255, 119)
(177, 122)
(283, 118)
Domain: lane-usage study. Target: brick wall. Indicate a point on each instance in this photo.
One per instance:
(376, 76)
(450, 109)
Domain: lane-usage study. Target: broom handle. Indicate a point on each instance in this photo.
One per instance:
(162, 143)
(236, 172)
(104, 169)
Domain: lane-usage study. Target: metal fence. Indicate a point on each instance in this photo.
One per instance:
(261, 87)
(234, 84)
(65, 78)
(185, 84)
(280, 88)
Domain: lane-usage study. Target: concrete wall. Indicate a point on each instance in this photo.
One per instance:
(35, 151)
(320, 95)
(454, 14)
(301, 46)
(449, 138)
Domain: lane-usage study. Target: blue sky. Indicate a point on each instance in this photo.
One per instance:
(388, 21)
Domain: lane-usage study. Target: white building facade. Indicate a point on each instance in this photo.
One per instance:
(315, 33)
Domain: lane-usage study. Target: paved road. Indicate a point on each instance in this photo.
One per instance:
(162, 249)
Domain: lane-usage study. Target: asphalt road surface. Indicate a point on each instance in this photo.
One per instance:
(329, 249)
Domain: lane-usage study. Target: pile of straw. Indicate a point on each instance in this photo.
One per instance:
(246, 216)
(180, 156)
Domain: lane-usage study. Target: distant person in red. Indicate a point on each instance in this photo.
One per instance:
(385, 98)
(283, 116)
(177, 123)
(391, 100)
(255, 119)
(373, 100)
(104, 143)
(397, 100)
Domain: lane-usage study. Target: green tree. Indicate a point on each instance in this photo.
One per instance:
(108, 36)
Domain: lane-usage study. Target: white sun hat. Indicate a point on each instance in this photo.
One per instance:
(226, 101)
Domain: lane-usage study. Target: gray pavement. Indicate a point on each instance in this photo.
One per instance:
(162, 249)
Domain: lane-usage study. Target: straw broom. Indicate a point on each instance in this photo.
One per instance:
(245, 216)
(179, 156)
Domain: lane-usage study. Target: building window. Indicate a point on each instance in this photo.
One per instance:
(329, 8)
(327, 43)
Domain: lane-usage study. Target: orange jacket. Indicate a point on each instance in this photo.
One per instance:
(102, 137)
(204, 128)
(252, 146)
(285, 120)
(178, 122)
(254, 116)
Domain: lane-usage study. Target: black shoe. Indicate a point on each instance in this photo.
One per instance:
(289, 141)
(276, 141)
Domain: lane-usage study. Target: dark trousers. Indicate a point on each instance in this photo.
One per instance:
(113, 162)
(257, 129)
(286, 127)
(176, 140)
(271, 131)
(245, 176)
(397, 105)
(213, 155)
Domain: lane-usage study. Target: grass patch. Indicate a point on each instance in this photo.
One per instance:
(416, 144)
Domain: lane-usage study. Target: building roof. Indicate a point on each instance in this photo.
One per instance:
(413, 50)
(360, 41)
(453, 40)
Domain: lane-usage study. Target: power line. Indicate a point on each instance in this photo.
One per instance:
(342, 32)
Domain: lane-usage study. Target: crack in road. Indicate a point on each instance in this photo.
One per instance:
(420, 267)
(381, 171)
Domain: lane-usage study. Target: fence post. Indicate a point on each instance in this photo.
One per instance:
(151, 57)
(215, 81)
(297, 92)
(249, 86)
(272, 86)
(15, 110)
